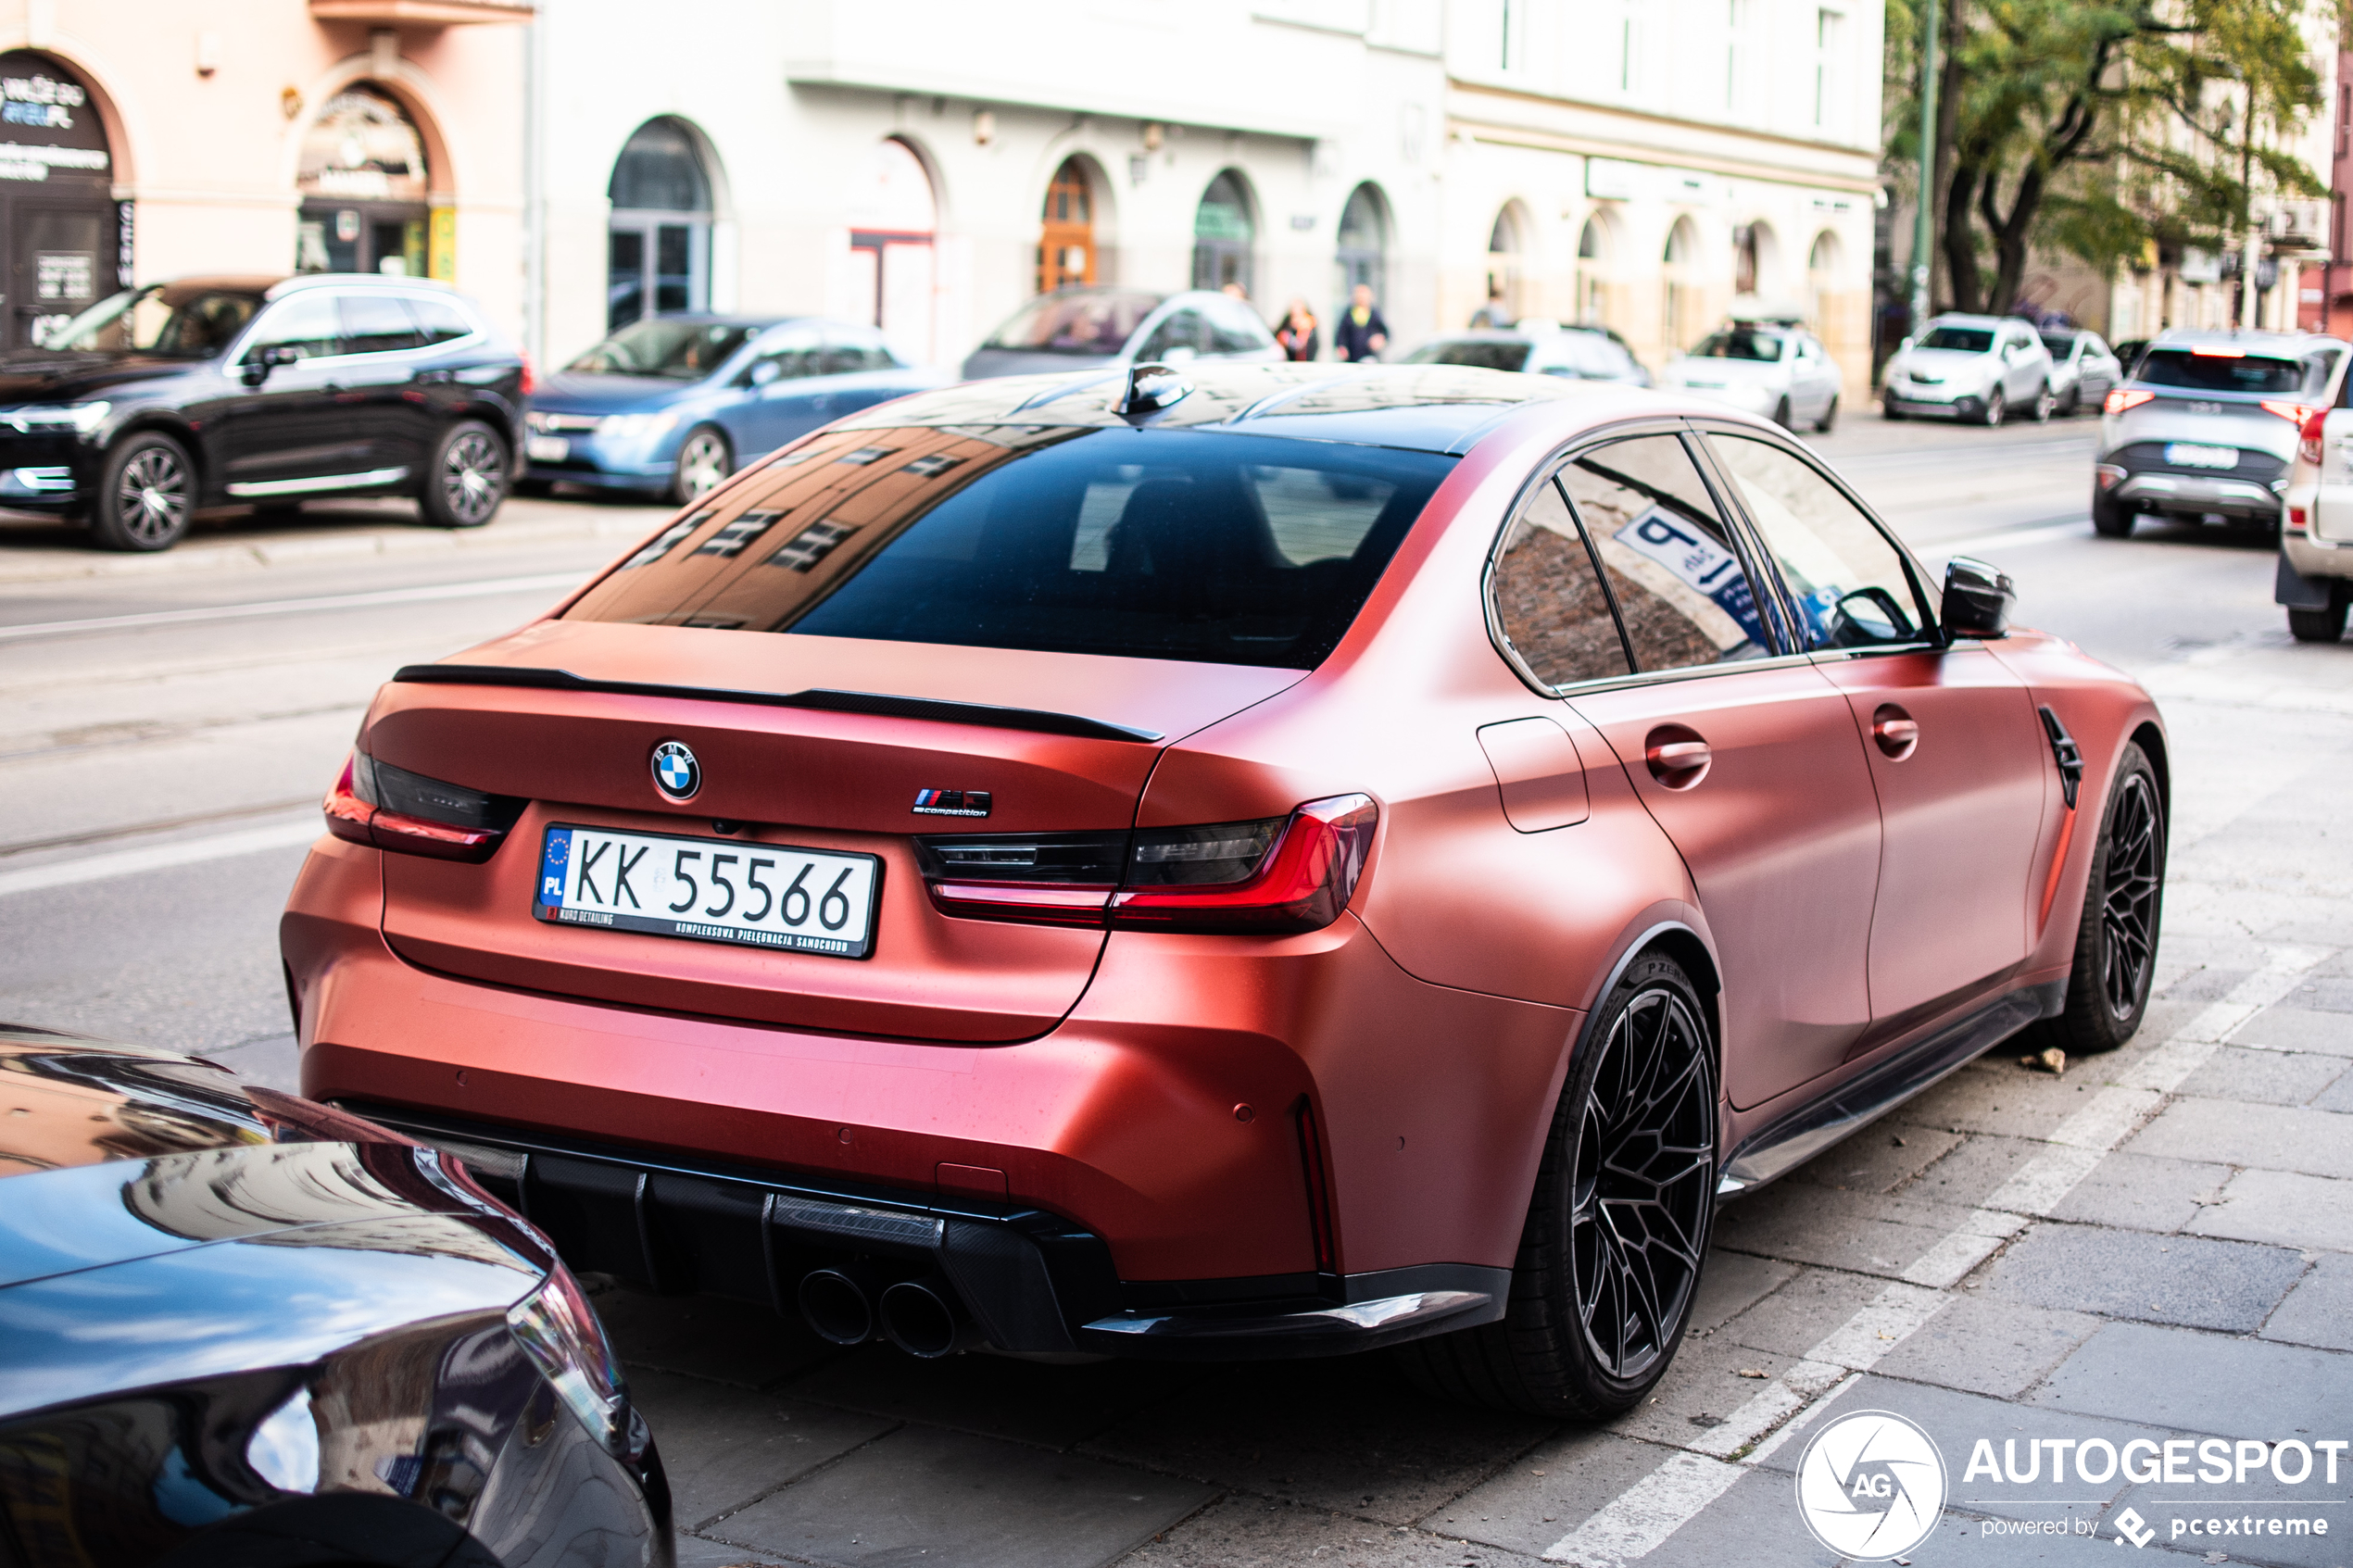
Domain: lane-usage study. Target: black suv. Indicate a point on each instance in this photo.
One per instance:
(173, 397)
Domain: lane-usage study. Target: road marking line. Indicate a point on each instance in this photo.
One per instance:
(487, 588)
(1639, 1520)
(159, 857)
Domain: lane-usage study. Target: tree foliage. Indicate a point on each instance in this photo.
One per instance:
(2097, 126)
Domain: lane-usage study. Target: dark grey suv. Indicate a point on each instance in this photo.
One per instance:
(2207, 424)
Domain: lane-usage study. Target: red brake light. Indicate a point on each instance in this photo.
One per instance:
(463, 824)
(1302, 886)
(2124, 397)
(1280, 875)
(2294, 413)
(530, 377)
(2315, 426)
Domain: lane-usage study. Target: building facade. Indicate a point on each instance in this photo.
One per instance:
(145, 139)
(929, 165)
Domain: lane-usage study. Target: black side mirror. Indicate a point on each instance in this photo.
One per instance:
(1977, 600)
(261, 361)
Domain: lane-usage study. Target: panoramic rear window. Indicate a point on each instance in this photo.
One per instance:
(1480, 353)
(2216, 372)
(1146, 544)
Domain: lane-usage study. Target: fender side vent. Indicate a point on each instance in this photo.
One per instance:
(2066, 752)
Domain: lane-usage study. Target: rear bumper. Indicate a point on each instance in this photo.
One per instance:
(2309, 559)
(1143, 1158)
(2188, 493)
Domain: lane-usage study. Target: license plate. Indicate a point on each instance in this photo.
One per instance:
(710, 889)
(2188, 457)
(546, 448)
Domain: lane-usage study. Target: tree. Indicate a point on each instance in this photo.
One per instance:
(2095, 126)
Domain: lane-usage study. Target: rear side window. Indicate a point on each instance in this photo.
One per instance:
(376, 323)
(1549, 598)
(1184, 544)
(440, 321)
(1672, 568)
(2211, 372)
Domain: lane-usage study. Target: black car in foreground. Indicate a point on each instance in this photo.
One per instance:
(213, 391)
(238, 1328)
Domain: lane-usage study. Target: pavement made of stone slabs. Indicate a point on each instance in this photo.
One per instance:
(2195, 1282)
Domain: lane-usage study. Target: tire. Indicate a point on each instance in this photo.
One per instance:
(1997, 408)
(2111, 519)
(1828, 422)
(2318, 625)
(1889, 412)
(146, 493)
(1782, 415)
(2107, 990)
(468, 477)
(704, 463)
(1593, 1323)
(2044, 404)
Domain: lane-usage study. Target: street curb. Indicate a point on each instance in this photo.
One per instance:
(56, 564)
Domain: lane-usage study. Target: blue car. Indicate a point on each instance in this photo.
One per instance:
(675, 404)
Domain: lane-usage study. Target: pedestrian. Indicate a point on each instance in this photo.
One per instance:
(1493, 316)
(1361, 333)
(1296, 331)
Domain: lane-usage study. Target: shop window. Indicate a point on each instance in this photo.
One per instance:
(364, 183)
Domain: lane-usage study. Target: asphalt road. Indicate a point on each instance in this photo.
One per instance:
(2156, 1243)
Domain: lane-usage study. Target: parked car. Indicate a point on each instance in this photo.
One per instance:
(1540, 348)
(238, 1327)
(675, 404)
(2315, 577)
(2127, 353)
(1073, 328)
(1973, 368)
(1782, 372)
(1080, 870)
(169, 398)
(2207, 426)
(2082, 367)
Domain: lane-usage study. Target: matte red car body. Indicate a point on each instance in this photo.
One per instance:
(1141, 1085)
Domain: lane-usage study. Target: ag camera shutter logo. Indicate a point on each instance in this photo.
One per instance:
(1870, 1485)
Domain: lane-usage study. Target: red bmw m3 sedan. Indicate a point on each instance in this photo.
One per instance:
(1286, 862)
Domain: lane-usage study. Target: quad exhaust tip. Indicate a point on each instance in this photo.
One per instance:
(923, 1318)
(839, 1304)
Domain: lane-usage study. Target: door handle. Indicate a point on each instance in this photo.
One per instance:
(1677, 758)
(1894, 732)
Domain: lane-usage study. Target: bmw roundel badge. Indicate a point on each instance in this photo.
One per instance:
(676, 774)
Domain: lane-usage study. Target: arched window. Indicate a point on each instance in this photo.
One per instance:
(1595, 251)
(894, 218)
(363, 181)
(61, 227)
(1506, 263)
(1363, 253)
(1223, 234)
(1822, 279)
(658, 252)
(1066, 254)
(1754, 260)
(1677, 321)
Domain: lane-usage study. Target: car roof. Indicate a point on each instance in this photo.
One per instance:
(1422, 408)
(302, 280)
(91, 1103)
(1961, 319)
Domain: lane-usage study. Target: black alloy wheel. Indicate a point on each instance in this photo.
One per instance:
(1617, 1226)
(146, 495)
(2131, 888)
(2116, 939)
(468, 477)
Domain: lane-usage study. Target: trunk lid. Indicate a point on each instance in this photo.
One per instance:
(1062, 743)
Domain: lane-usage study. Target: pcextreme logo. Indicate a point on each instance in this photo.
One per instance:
(1870, 1485)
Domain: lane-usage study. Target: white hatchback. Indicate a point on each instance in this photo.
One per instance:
(1974, 368)
(1784, 373)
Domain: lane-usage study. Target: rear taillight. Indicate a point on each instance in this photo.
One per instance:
(389, 807)
(1278, 875)
(530, 377)
(2308, 442)
(2124, 397)
(2297, 414)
